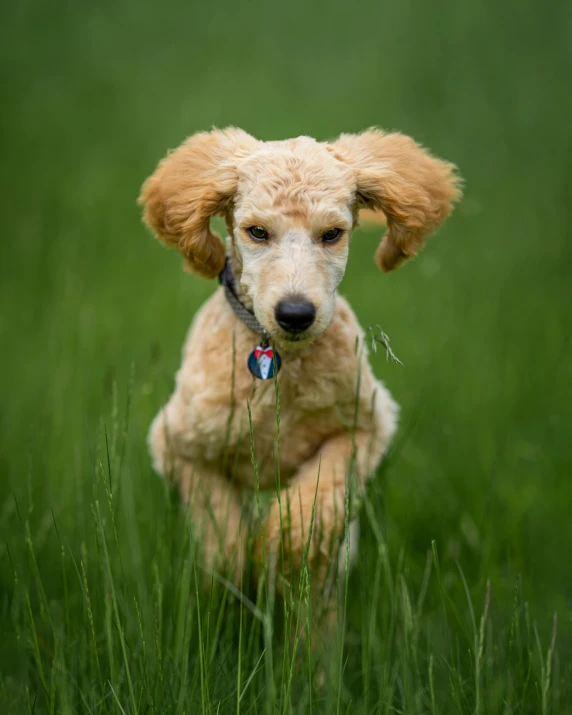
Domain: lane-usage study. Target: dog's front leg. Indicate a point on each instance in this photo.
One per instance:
(217, 522)
(310, 515)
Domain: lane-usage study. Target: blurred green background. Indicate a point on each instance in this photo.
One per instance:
(93, 94)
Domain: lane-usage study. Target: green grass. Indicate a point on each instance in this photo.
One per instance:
(466, 538)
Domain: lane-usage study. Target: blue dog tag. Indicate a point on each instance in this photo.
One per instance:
(261, 362)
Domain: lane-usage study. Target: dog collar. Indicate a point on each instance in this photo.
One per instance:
(264, 361)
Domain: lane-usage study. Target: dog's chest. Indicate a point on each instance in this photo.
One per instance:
(293, 420)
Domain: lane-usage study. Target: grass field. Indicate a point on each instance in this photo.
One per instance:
(99, 606)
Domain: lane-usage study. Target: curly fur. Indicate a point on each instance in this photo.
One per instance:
(296, 189)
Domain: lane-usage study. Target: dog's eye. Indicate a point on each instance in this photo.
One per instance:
(258, 233)
(331, 235)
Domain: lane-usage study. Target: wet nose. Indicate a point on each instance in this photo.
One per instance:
(295, 316)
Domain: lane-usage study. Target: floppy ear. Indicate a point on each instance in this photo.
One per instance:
(415, 191)
(191, 184)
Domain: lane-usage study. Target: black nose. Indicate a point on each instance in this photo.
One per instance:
(295, 316)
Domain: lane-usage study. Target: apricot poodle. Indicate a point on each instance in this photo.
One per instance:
(276, 329)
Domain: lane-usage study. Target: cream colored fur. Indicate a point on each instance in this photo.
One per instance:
(296, 190)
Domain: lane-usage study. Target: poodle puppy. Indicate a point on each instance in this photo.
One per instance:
(277, 331)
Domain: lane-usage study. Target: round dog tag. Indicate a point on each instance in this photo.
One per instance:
(261, 362)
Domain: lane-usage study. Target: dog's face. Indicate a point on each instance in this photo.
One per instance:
(290, 207)
(291, 220)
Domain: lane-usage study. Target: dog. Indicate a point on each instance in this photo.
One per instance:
(275, 364)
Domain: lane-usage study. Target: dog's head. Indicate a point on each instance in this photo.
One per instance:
(290, 207)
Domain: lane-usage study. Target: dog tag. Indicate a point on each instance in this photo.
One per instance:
(261, 362)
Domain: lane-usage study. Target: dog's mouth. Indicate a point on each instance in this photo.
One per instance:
(294, 340)
(298, 338)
